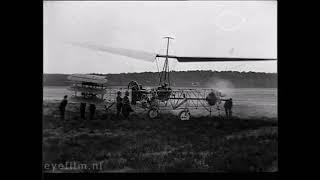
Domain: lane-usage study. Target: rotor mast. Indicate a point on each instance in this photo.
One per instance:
(164, 77)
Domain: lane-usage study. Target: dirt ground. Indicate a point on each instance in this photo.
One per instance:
(165, 144)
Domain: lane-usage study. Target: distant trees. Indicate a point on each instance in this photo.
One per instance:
(55, 80)
(181, 78)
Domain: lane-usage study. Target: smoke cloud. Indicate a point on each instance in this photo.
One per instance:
(224, 86)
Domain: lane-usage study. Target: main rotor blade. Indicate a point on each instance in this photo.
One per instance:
(141, 55)
(213, 59)
(150, 57)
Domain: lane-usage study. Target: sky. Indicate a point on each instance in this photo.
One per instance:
(199, 28)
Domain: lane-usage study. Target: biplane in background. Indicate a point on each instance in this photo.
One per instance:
(87, 88)
(154, 100)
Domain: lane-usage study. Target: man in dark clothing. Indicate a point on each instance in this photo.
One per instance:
(83, 110)
(152, 100)
(92, 109)
(134, 86)
(126, 108)
(228, 107)
(62, 106)
(119, 103)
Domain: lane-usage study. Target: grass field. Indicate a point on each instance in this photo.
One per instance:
(166, 144)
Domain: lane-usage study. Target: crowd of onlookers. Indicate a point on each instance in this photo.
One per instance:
(122, 105)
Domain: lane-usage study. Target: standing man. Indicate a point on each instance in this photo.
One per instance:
(126, 109)
(152, 100)
(92, 109)
(228, 108)
(83, 110)
(62, 106)
(119, 103)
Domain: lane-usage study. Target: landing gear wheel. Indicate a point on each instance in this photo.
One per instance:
(153, 113)
(184, 115)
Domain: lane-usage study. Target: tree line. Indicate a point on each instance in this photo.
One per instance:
(181, 79)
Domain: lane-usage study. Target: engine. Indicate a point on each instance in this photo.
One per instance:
(212, 98)
(164, 93)
(138, 93)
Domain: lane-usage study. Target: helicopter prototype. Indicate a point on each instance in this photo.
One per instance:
(164, 97)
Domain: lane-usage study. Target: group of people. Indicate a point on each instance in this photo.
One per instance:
(64, 102)
(92, 109)
(123, 106)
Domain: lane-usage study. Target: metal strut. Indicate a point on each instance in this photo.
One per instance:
(165, 70)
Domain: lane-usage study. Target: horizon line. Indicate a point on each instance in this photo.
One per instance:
(170, 71)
